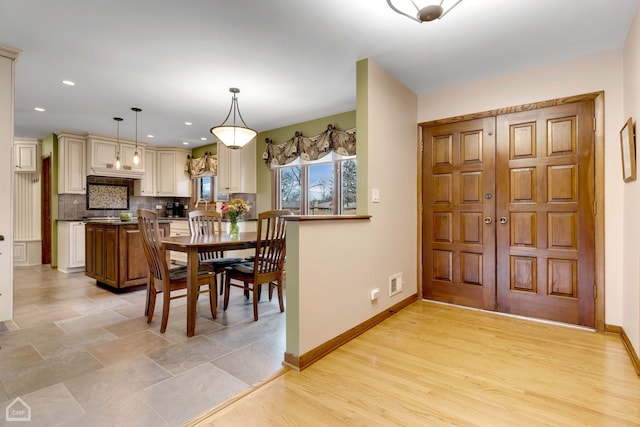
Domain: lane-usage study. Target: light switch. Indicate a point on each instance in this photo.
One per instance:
(375, 195)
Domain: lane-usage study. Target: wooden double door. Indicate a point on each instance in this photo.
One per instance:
(508, 213)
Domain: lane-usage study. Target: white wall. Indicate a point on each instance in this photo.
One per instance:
(631, 193)
(340, 262)
(589, 74)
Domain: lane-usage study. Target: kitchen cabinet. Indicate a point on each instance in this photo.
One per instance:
(237, 169)
(146, 186)
(101, 157)
(25, 156)
(171, 181)
(72, 164)
(179, 228)
(114, 253)
(71, 246)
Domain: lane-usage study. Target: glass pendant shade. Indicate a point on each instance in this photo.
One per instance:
(118, 164)
(136, 158)
(233, 135)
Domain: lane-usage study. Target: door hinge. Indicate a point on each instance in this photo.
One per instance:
(595, 291)
(595, 207)
(595, 122)
(421, 146)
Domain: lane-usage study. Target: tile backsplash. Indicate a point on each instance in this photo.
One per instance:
(73, 207)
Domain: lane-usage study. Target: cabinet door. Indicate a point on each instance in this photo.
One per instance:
(183, 183)
(26, 157)
(77, 244)
(103, 153)
(237, 169)
(127, 151)
(146, 186)
(165, 173)
(72, 166)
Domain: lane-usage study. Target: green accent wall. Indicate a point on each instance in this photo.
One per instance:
(362, 137)
(50, 147)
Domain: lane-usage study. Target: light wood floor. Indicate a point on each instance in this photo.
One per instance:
(434, 364)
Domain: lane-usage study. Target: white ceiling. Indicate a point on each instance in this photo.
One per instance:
(292, 60)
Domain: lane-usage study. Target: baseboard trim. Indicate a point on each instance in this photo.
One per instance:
(619, 330)
(304, 361)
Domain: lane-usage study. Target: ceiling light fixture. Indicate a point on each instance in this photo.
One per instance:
(136, 155)
(233, 136)
(118, 164)
(427, 12)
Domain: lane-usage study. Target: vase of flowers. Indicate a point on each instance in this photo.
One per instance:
(233, 211)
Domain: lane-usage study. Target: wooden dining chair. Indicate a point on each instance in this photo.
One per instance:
(171, 283)
(205, 222)
(268, 263)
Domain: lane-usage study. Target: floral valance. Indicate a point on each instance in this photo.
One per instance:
(201, 166)
(342, 142)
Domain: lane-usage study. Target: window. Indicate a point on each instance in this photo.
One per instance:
(326, 186)
(205, 189)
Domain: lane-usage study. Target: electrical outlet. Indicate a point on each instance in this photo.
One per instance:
(395, 284)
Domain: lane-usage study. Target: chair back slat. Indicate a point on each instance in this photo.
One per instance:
(206, 223)
(271, 243)
(152, 245)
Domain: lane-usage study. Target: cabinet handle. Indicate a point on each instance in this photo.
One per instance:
(488, 220)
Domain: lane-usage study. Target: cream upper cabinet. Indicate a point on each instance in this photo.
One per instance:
(165, 172)
(146, 186)
(237, 169)
(25, 156)
(170, 177)
(101, 157)
(72, 164)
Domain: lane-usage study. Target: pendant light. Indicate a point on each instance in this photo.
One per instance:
(118, 164)
(426, 12)
(136, 155)
(233, 136)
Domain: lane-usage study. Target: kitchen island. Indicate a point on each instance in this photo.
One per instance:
(114, 255)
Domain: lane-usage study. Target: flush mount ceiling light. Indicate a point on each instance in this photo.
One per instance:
(136, 155)
(426, 12)
(234, 136)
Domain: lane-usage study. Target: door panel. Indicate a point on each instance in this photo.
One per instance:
(508, 219)
(459, 252)
(545, 248)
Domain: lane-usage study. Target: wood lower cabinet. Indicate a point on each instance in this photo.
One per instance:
(114, 254)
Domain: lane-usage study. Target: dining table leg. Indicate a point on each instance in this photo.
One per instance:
(192, 289)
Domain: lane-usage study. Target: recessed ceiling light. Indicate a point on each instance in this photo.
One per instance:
(68, 83)
(188, 123)
(39, 109)
(150, 136)
(185, 143)
(203, 139)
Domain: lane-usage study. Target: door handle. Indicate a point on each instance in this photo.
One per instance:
(487, 220)
(503, 220)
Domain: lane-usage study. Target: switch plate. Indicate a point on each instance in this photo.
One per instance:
(375, 293)
(375, 195)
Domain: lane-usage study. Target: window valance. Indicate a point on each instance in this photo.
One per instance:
(342, 142)
(201, 166)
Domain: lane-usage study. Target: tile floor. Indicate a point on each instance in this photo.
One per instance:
(80, 355)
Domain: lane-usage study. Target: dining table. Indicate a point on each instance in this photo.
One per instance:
(192, 245)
